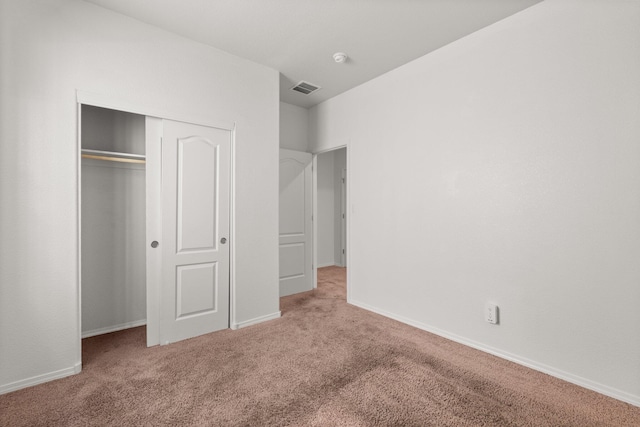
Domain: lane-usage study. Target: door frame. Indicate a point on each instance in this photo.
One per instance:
(348, 209)
(343, 219)
(153, 292)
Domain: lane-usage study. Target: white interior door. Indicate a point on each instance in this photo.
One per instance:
(195, 229)
(295, 222)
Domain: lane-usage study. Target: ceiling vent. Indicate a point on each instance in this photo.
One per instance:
(305, 88)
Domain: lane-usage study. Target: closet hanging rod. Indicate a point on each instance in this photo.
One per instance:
(112, 159)
(112, 153)
(113, 156)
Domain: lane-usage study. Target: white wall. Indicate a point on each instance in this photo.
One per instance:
(325, 210)
(50, 49)
(505, 167)
(294, 127)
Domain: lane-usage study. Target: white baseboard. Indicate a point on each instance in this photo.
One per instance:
(329, 264)
(39, 379)
(114, 328)
(256, 320)
(566, 376)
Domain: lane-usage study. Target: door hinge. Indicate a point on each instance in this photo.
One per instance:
(343, 251)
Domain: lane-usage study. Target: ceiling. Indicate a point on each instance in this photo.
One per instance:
(299, 37)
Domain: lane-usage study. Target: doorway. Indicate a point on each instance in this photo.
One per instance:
(330, 210)
(113, 249)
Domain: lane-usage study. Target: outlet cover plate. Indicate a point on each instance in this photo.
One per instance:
(491, 313)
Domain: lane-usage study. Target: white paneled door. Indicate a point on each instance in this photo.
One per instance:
(295, 222)
(195, 230)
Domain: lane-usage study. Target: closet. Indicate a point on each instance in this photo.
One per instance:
(155, 217)
(113, 239)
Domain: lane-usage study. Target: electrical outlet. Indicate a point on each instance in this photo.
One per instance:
(491, 313)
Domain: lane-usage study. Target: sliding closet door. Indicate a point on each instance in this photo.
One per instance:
(195, 229)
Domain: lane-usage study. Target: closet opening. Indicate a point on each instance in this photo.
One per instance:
(331, 213)
(155, 211)
(113, 221)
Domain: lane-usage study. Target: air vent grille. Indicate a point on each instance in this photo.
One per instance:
(305, 88)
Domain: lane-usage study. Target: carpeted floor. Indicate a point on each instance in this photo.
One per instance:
(324, 363)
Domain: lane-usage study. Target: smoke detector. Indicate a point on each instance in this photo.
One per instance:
(340, 57)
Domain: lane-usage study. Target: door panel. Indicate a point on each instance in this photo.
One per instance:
(196, 289)
(197, 216)
(292, 262)
(195, 207)
(295, 222)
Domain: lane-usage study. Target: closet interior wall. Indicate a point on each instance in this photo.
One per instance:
(113, 223)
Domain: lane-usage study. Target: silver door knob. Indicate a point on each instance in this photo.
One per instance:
(223, 240)
(154, 244)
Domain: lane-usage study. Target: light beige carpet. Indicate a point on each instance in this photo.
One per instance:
(324, 363)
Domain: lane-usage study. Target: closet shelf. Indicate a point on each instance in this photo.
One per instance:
(113, 156)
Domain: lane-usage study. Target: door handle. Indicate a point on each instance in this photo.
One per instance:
(223, 240)
(154, 244)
